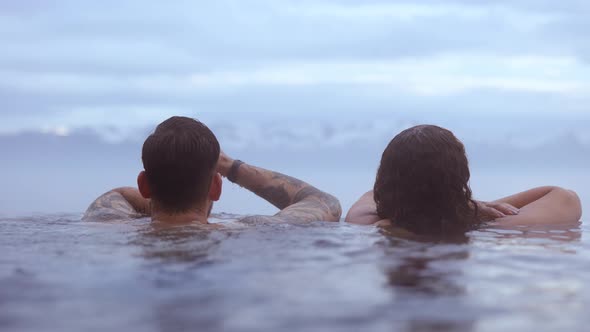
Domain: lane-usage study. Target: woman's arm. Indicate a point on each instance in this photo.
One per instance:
(543, 206)
(364, 211)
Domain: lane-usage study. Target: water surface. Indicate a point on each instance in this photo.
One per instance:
(58, 273)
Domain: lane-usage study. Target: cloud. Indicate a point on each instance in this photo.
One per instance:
(61, 131)
(190, 36)
(64, 63)
(411, 11)
(434, 76)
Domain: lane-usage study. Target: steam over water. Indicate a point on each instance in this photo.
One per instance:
(60, 274)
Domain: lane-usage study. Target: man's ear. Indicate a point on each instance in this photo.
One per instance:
(215, 188)
(143, 186)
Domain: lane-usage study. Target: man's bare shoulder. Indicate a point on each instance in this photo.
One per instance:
(110, 206)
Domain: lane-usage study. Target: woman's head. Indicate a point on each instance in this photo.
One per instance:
(423, 182)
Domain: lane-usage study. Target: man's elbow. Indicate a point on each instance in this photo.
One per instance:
(334, 209)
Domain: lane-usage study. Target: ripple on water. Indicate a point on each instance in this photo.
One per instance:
(136, 276)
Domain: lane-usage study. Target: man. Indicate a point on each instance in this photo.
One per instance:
(182, 177)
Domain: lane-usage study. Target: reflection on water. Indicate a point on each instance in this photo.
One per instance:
(415, 275)
(60, 274)
(561, 232)
(177, 244)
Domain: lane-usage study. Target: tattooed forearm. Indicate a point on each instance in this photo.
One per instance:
(328, 202)
(111, 205)
(296, 199)
(307, 211)
(280, 190)
(111, 200)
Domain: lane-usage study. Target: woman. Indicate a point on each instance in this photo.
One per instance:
(423, 186)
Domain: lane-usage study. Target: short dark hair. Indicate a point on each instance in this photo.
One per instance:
(180, 159)
(423, 183)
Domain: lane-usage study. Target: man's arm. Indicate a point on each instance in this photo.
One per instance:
(297, 200)
(125, 202)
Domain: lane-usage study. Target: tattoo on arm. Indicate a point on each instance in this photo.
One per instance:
(111, 205)
(296, 199)
(310, 209)
(280, 191)
(312, 199)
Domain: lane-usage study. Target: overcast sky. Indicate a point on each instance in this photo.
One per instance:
(318, 83)
(66, 65)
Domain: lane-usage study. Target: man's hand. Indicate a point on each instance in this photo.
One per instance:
(494, 210)
(224, 164)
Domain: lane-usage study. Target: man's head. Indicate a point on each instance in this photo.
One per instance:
(180, 160)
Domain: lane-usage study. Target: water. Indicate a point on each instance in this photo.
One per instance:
(58, 273)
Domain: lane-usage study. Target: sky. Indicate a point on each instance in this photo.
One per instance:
(309, 87)
(75, 64)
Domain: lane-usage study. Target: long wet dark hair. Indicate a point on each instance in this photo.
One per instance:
(423, 183)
